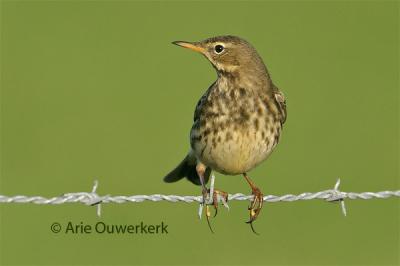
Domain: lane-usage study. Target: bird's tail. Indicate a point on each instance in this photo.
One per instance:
(187, 168)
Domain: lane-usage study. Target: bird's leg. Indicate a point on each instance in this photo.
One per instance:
(201, 169)
(216, 194)
(257, 202)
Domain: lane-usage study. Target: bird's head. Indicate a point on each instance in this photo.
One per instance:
(228, 54)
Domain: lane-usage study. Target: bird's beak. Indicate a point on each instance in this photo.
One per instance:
(190, 45)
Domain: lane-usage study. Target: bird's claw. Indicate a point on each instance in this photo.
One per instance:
(217, 195)
(255, 206)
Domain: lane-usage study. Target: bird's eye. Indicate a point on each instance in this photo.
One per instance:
(218, 48)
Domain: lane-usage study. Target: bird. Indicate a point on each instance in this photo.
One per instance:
(237, 122)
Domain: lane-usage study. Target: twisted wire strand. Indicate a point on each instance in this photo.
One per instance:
(92, 198)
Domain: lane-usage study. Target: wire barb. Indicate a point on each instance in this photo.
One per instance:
(91, 199)
(338, 196)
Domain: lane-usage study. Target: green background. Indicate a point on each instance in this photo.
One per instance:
(94, 90)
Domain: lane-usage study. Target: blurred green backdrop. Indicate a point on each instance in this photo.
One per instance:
(94, 90)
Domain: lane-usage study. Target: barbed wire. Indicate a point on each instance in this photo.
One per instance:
(93, 199)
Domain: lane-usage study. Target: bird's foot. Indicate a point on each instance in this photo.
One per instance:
(255, 206)
(217, 195)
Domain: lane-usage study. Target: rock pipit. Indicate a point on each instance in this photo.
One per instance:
(238, 120)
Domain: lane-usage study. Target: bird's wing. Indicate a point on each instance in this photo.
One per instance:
(280, 99)
(201, 102)
(199, 105)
